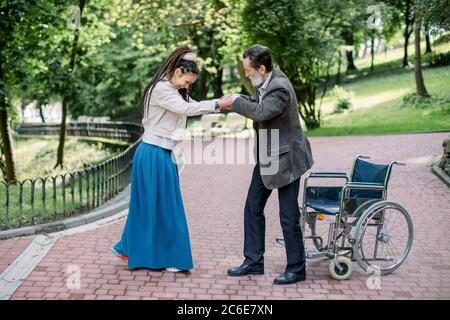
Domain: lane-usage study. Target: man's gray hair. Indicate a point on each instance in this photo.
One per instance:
(259, 55)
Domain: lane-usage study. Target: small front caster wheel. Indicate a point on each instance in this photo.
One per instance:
(345, 270)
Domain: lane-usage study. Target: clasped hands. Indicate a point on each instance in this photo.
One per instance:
(226, 101)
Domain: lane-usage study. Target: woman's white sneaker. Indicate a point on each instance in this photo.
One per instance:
(118, 255)
(115, 252)
(173, 269)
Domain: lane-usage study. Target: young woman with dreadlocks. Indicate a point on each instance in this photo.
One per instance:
(156, 234)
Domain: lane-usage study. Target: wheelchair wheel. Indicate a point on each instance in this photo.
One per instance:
(345, 270)
(383, 237)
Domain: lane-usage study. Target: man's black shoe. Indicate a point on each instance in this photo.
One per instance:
(290, 277)
(246, 269)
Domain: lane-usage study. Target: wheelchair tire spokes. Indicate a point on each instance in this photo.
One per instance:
(383, 237)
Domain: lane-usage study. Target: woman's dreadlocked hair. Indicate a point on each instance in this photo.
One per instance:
(167, 69)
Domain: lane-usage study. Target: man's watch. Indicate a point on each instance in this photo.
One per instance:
(217, 105)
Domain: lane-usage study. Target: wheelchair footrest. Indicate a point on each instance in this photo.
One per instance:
(311, 254)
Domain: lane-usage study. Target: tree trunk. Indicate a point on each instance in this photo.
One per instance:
(338, 74)
(372, 49)
(7, 150)
(218, 93)
(420, 84)
(244, 80)
(8, 164)
(201, 88)
(62, 135)
(350, 61)
(349, 41)
(306, 95)
(309, 116)
(405, 51)
(427, 38)
(139, 94)
(22, 109)
(62, 131)
(407, 33)
(41, 113)
(2, 163)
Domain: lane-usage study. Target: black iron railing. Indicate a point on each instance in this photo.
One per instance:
(45, 199)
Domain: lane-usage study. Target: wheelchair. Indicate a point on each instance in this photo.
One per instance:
(355, 221)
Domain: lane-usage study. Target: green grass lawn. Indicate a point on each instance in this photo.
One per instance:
(377, 105)
(36, 156)
(393, 58)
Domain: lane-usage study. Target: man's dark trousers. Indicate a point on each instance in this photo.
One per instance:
(254, 223)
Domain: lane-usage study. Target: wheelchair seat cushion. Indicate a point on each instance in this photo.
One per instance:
(324, 206)
(323, 199)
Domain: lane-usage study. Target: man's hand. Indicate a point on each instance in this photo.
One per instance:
(226, 101)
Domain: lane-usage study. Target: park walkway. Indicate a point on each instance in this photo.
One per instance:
(214, 196)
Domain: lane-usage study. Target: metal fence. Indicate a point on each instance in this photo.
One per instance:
(123, 131)
(46, 199)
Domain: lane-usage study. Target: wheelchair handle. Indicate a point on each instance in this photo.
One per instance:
(400, 163)
(363, 156)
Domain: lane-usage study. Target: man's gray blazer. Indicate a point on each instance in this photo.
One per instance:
(284, 151)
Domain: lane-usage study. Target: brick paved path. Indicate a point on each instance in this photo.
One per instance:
(10, 249)
(214, 196)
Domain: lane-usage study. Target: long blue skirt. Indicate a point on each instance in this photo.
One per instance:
(156, 233)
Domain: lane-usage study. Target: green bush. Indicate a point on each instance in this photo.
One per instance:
(343, 99)
(437, 59)
(436, 101)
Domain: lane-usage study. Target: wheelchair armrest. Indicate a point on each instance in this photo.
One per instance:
(362, 186)
(328, 175)
(322, 175)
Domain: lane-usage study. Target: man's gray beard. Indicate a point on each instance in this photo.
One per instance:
(259, 85)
